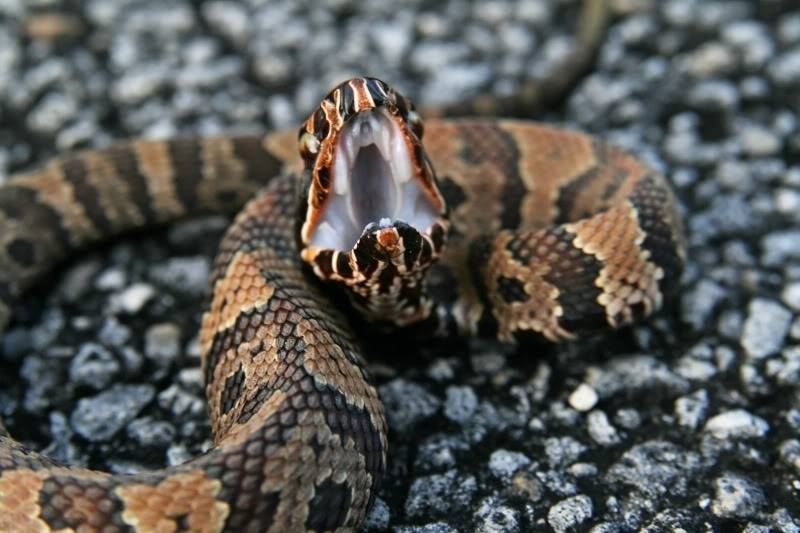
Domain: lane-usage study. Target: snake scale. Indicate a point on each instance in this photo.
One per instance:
(522, 230)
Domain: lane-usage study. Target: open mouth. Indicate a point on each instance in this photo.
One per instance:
(373, 181)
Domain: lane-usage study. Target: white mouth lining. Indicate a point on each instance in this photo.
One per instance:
(372, 182)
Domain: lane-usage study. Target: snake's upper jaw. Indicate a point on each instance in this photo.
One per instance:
(374, 178)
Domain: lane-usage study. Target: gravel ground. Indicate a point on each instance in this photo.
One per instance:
(691, 421)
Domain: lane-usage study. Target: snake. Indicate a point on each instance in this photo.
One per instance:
(483, 226)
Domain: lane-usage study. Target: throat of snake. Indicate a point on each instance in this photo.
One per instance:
(373, 182)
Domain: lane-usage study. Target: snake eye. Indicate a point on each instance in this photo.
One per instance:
(415, 121)
(309, 145)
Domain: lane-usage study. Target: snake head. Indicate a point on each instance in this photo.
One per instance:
(373, 217)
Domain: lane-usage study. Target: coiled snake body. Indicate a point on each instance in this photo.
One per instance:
(551, 233)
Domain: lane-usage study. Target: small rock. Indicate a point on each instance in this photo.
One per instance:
(493, 517)
(181, 402)
(503, 463)
(570, 513)
(628, 418)
(99, 417)
(460, 404)
(15, 343)
(656, 468)
(600, 429)
(790, 453)
(736, 496)
(765, 328)
(114, 333)
(433, 527)
(758, 141)
(698, 303)
(583, 398)
(439, 494)
(406, 403)
(162, 343)
(93, 366)
(791, 295)
(437, 452)
(737, 424)
(635, 373)
(691, 409)
(132, 299)
(150, 433)
(111, 279)
(780, 247)
(378, 517)
(230, 19)
(562, 451)
(714, 95)
(785, 69)
(187, 274)
(61, 448)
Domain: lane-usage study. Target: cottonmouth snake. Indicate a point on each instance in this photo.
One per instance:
(549, 233)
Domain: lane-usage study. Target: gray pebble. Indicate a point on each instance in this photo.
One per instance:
(765, 328)
(150, 433)
(407, 403)
(758, 141)
(628, 418)
(15, 343)
(714, 95)
(438, 452)
(77, 280)
(132, 299)
(737, 424)
(561, 451)
(438, 494)
(504, 463)
(111, 279)
(698, 303)
(736, 496)
(634, 373)
(784, 521)
(378, 517)
(600, 429)
(186, 274)
(61, 448)
(93, 366)
(45, 333)
(460, 404)
(785, 69)
(434, 527)
(790, 453)
(789, 28)
(494, 517)
(791, 295)
(114, 333)
(230, 19)
(691, 409)
(656, 468)
(570, 513)
(99, 417)
(181, 402)
(140, 83)
(162, 343)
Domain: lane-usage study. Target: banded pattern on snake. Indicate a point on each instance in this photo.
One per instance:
(543, 232)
